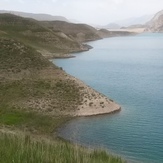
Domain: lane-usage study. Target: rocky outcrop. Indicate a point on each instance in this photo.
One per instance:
(156, 24)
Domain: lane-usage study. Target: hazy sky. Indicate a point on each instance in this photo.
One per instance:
(88, 11)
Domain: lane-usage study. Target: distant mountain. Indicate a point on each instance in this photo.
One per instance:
(156, 23)
(39, 17)
(133, 21)
(112, 26)
(134, 26)
(104, 33)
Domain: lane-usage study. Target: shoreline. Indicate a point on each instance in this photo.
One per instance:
(93, 103)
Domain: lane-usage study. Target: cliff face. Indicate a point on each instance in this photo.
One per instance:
(156, 24)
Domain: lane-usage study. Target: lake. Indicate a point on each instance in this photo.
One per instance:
(128, 70)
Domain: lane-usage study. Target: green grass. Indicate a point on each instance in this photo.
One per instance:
(31, 121)
(24, 149)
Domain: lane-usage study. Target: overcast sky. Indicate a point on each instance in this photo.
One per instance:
(87, 11)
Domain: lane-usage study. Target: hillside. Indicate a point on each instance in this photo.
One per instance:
(37, 97)
(38, 36)
(156, 23)
(78, 32)
(39, 85)
(53, 39)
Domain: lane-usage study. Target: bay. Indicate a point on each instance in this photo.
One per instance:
(128, 70)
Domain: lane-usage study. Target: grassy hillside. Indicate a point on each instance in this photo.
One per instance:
(36, 97)
(22, 148)
(34, 34)
(12, 53)
(79, 32)
(51, 38)
(29, 82)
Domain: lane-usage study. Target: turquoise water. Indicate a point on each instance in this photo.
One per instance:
(130, 71)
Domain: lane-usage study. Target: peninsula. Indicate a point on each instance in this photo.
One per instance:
(36, 96)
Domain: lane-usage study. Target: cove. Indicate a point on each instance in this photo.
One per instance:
(128, 70)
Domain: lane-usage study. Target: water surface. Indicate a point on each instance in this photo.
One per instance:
(130, 71)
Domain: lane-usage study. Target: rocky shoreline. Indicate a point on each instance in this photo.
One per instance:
(93, 102)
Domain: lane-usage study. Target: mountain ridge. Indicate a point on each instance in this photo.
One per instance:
(36, 16)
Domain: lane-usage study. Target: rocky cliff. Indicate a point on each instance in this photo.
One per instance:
(156, 23)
